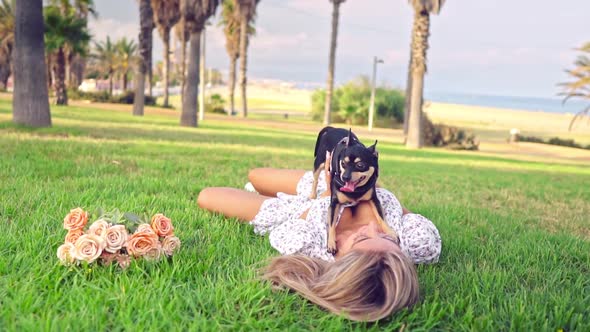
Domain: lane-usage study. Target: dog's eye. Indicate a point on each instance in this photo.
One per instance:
(360, 165)
(342, 164)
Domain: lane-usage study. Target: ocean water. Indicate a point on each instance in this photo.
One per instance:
(553, 105)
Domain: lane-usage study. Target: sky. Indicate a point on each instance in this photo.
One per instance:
(499, 47)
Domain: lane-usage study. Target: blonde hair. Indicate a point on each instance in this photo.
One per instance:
(363, 286)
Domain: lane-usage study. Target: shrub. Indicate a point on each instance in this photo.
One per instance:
(449, 137)
(552, 141)
(350, 104)
(128, 96)
(97, 96)
(103, 97)
(215, 104)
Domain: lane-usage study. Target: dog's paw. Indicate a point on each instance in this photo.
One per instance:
(332, 249)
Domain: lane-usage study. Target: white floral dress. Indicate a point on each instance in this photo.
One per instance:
(289, 234)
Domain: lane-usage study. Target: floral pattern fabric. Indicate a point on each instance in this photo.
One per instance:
(289, 234)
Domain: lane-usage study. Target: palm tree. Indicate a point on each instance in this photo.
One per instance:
(6, 41)
(30, 104)
(330, 84)
(246, 12)
(231, 28)
(183, 35)
(420, 33)
(166, 15)
(146, 23)
(64, 32)
(126, 50)
(75, 63)
(106, 55)
(580, 87)
(195, 14)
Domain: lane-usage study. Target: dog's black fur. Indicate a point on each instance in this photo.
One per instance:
(354, 170)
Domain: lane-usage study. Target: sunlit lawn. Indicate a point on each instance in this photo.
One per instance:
(516, 235)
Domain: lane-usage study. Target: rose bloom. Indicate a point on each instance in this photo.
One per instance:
(162, 225)
(76, 219)
(73, 235)
(140, 243)
(170, 244)
(99, 228)
(64, 253)
(154, 253)
(115, 237)
(123, 260)
(143, 228)
(88, 247)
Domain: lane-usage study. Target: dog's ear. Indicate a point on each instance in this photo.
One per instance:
(349, 137)
(373, 149)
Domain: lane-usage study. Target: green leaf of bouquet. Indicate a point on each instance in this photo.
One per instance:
(132, 217)
(99, 212)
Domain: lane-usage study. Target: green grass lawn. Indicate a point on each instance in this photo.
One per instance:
(516, 235)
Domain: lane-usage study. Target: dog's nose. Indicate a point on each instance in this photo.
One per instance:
(346, 176)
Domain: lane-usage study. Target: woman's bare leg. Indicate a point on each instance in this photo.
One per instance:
(269, 181)
(231, 202)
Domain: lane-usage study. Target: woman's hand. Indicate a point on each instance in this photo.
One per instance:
(327, 164)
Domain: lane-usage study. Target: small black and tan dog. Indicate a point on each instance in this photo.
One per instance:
(354, 170)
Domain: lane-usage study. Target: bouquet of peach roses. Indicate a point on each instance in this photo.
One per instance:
(116, 237)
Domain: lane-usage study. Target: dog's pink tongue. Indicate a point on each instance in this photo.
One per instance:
(348, 187)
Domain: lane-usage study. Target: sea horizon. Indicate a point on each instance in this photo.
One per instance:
(535, 104)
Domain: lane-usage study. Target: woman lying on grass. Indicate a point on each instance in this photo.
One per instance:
(369, 278)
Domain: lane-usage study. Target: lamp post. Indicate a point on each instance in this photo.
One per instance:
(372, 105)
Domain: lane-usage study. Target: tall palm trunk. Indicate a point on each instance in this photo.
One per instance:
(244, 61)
(78, 70)
(125, 81)
(166, 38)
(30, 104)
(189, 102)
(232, 84)
(145, 55)
(60, 84)
(139, 97)
(150, 73)
(49, 70)
(68, 68)
(111, 77)
(202, 77)
(419, 47)
(330, 83)
(183, 43)
(408, 98)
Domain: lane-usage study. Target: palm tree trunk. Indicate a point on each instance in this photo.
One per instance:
(139, 97)
(125, 79)
(189, 102)
(232, 84)
(244, 61)
(166, 70)
(202, 76)
(68, 68)
(419, 47)
(408, 98)
(80, 66)
(183, 43)
(48, 71)
(150, 72)
(30, 103)
(111, 74)
(60, 85)
(330, 83)
(145, 55)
